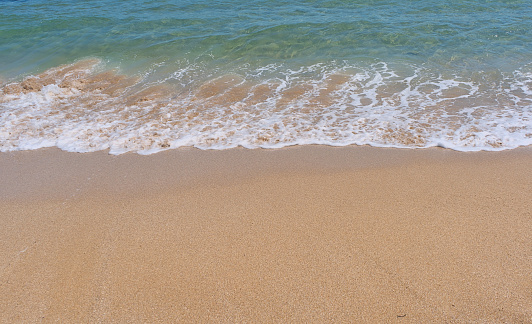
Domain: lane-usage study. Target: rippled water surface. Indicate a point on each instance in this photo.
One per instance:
(146, 76)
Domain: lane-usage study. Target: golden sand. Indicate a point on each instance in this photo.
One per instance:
(304, 234)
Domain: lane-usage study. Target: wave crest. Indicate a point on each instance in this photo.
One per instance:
(79, 108)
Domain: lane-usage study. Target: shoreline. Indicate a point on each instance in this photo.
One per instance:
(82, 108)
(308, 233)
(53, 173)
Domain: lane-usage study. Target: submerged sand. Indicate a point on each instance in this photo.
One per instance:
(302, 234)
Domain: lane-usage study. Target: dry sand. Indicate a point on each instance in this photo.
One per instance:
(304, 234)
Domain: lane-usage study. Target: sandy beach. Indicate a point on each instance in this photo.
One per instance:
(301, 234)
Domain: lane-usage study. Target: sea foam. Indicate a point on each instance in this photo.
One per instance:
(83, 108)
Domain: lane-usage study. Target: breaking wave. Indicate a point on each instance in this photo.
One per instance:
(83, 108)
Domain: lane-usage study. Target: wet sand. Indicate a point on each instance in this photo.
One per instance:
(302, 234)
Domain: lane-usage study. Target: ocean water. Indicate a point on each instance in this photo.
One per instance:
(145, 76)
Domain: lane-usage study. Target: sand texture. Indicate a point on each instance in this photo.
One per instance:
(303, 234)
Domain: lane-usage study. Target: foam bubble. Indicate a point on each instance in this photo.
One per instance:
(79, 109)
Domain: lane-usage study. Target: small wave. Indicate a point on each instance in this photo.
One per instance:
(79, 108)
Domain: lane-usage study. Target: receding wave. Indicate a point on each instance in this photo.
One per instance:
(81, 108)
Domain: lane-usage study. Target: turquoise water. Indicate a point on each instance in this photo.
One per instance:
(388, 73)
(35, 35)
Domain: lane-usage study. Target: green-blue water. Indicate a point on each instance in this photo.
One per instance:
(484, 47)
(35, 35)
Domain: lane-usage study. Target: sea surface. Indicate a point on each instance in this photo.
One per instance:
(144, 76)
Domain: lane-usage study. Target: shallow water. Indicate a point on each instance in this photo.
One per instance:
(146, 76)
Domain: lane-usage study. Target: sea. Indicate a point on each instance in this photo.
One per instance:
(145, 76)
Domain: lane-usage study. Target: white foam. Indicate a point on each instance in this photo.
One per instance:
(410, 107)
